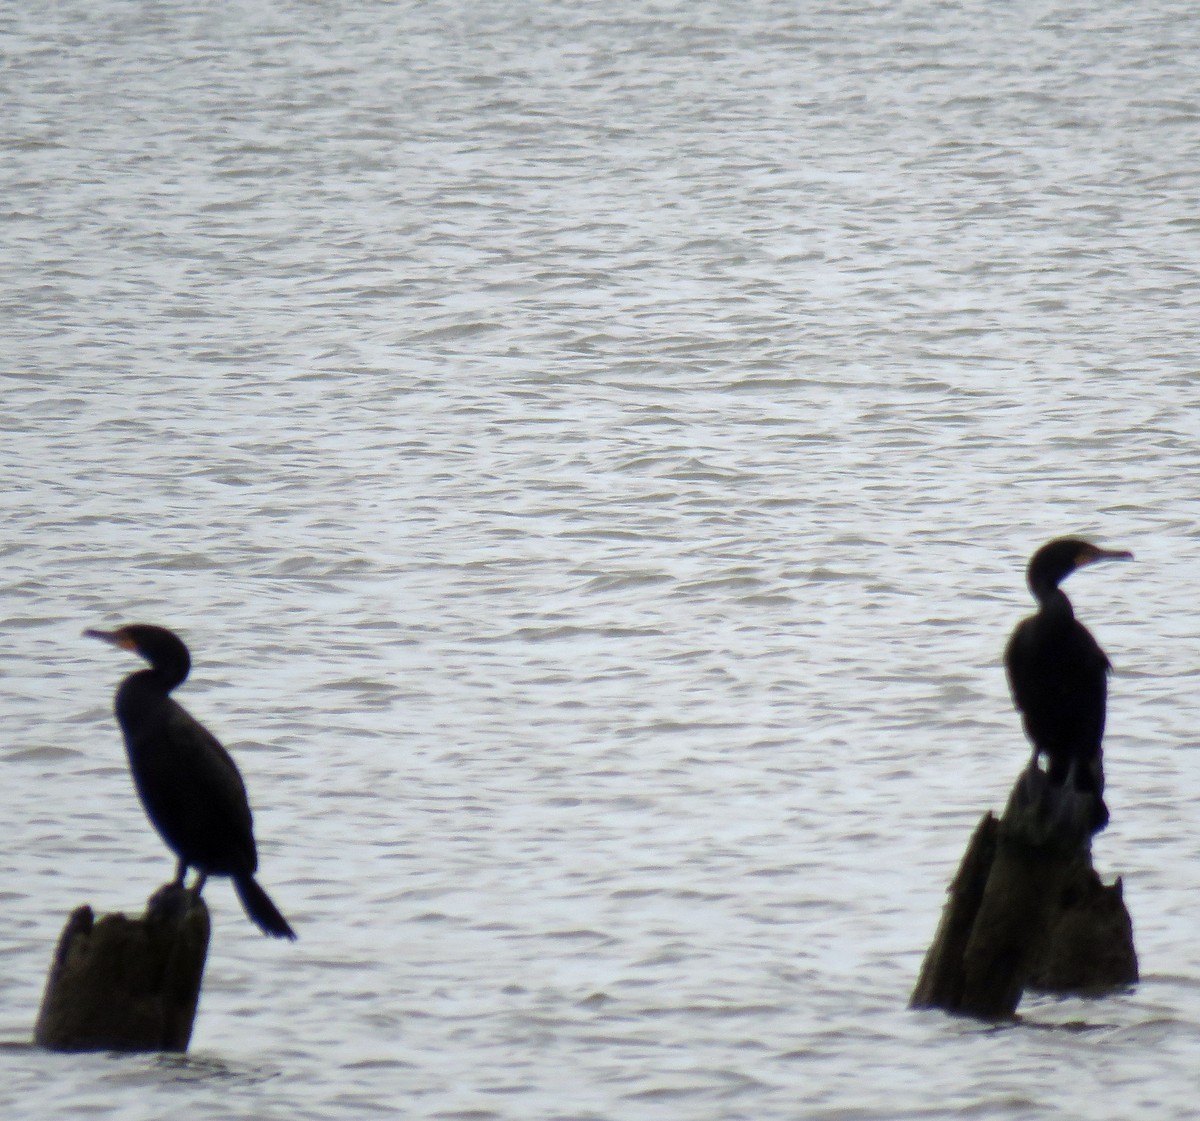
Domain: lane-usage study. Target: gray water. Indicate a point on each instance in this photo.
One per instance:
(592, 452)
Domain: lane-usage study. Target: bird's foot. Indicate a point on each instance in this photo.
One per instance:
(1055, 811)
(171, 901)
(1076, 813)
(1033, 783)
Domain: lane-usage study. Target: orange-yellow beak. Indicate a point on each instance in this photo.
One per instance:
(1094, 553)
(119, 637)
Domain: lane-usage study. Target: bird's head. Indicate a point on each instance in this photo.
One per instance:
(162, 648)
(1057, 559)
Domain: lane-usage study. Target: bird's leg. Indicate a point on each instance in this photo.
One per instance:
(198, 886)
(1080, 811)
(180, 874)
(1032, 782)
(1067, 809)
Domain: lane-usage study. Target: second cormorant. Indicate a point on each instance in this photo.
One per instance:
(1059, 675)
(191, 789)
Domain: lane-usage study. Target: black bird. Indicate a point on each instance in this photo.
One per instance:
(191, 789)
(1059, 675)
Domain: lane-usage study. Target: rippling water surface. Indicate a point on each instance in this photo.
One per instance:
(592, 451)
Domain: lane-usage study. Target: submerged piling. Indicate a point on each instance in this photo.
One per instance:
(122, 984)
(1027, 910)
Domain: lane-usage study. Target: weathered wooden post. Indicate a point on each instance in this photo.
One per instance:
(122, 984)
(1026, 909)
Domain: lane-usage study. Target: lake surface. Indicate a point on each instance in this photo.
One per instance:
(592, 452)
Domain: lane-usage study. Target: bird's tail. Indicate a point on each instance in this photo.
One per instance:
(263, 913)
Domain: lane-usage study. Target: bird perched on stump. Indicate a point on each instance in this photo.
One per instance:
(1059, 675)
(190, 788)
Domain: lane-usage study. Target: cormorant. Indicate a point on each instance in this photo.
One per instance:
(1059, 675)
(191, 789)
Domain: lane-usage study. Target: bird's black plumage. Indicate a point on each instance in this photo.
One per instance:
(191, 789)
(1057, 672)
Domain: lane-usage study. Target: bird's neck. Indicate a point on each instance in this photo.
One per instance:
(157, 679)
(1054, 601)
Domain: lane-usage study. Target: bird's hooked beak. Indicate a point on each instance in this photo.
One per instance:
(1090, 554)
(119, 638)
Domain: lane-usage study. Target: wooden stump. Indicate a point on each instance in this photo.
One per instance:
(1026, 909)
(123, 984)
(1089, 946)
